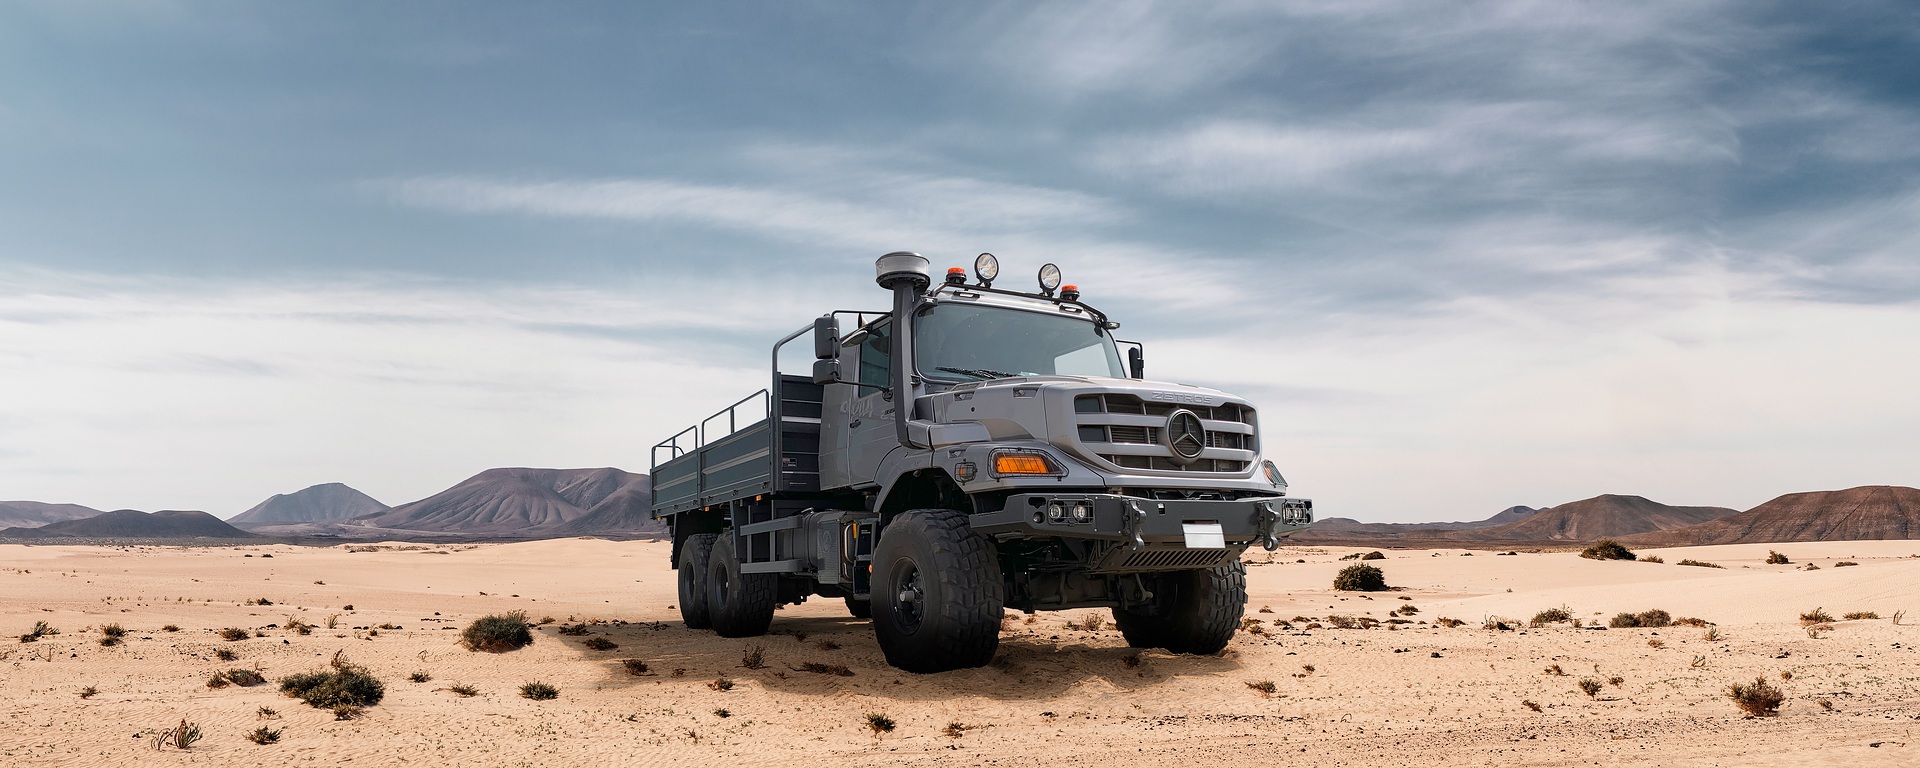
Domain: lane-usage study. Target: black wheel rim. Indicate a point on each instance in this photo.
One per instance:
(909, 597)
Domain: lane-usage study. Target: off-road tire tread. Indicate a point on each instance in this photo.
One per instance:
(751, 611)
(1205, 613)
(968, 570)
(694, 558)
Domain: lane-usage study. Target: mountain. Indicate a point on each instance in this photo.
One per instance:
(320, 503)
(1604, 516)
(33, 514)
(625, 511)
(134, 524)
(514, 501)
(1865, 513)
(1341, 528)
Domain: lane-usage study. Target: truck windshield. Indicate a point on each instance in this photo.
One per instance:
(961, 342)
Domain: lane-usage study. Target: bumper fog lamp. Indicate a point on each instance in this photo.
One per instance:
(1082, 513)
(1056, 513)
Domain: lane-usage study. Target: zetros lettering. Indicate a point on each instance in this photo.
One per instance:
(1180, 397)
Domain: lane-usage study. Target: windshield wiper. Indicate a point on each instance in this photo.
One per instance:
(979, 373)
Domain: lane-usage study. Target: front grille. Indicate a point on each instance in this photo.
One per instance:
(1219, 436)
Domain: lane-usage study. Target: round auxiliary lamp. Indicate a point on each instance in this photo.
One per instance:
(986, 269)
(1049, 278)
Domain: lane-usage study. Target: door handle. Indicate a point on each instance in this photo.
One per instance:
(855, 424)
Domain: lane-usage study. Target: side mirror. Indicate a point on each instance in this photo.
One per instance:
(1137, 362)
(826, 339)
(826, 371)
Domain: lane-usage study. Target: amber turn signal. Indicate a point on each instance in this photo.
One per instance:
(1021, 464)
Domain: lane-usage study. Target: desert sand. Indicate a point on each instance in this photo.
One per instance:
(1057, 695)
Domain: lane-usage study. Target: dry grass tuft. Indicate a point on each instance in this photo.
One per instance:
(463, 690)
(837, 670)
(1529, 704)
(955, 730)
(1698, 563)
(1360, 577)
(634, 667)
(753, 657)
(721, 683)
(1860, 615)
(1551, 616)
(879, 723)
(1132, 660)
(263, 735)
(89, 692)
(225, 654)
(420, 676)
(234, 634)
(1555, 670)
(1589, 686)
(1816, 616)
(600, 644)
(538, 691)
(345, 684)
(1775, 558)
(1265, 687)
(1757, 699)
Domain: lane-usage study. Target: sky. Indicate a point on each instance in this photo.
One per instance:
(1462, 256)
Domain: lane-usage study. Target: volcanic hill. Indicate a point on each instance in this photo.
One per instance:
(134, 524)
(316, 504)
(33, 514)
(1868, 512)
(1604, 516)
(512, 502)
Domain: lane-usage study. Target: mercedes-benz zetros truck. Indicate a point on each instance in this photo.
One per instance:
(968, 450)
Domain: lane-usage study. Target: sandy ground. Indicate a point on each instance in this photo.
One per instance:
(1418, 694)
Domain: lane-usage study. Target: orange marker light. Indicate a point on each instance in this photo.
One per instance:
(1021, 464)
(956, 276)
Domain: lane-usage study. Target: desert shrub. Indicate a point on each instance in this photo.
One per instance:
(1652, 559)
(1375, 555)
(827, 645)
(1698, 563)
(346, 711)
(1623, 621)
(634, 667)
(1712, 635)
(170, 628)
(574, 630)
(268, 712)
(244, 678)
(225, 654)
(1861, 615)
(753, 657)
(463, 690)
(539, 691)
(1616, 681)
(721, 683)
(1654, 618)
(112, 634)
(1607, 549)
(1656, 643)
(1552, 616)
(232, 634)
(498, 633)
(1530, 704)
(1555, 670)
(1131, 660)
(1407, 610)
(1816, 616)
(879, 723)
(1265, 687)
(301, 627)
(723, 712)
(343, 685)
(420, 676)
(1686, 621)
(1360, 577)
(1758, 699)
(1775, 558)
(218, 680)
(89, 692)
(1589, 686)
(1448, 623)
(263, 735)
(837, 670)
(600, 644)
(955, 730)
(1844, 563)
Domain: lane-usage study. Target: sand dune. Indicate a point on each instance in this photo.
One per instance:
(1057, 695)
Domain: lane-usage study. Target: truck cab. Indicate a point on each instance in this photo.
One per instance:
(968, 450)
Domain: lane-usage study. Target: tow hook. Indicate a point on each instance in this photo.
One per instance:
(1267, 522)
(1136, 519)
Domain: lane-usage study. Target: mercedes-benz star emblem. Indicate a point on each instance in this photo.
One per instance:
(1186, 436)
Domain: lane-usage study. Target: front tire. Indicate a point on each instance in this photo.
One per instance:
(694, 555)
(741, 603)
(1194, 612)
(861, 609)
(937, 593)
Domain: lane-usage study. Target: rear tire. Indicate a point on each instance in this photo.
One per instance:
(694, 554)
(741, 603)
(861, 609)
(1193, 612)
(937, 593)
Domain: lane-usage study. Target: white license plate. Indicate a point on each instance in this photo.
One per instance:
(1204, 535)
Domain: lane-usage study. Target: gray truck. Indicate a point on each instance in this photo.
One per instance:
(972, 449)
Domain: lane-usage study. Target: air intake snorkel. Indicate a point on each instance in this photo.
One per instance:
(906, 274)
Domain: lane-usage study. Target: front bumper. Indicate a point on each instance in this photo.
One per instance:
(1138, 522)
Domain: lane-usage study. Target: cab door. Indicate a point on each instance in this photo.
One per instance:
(870, 431)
